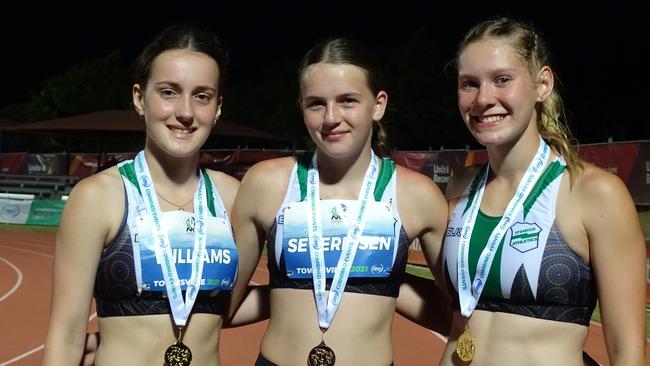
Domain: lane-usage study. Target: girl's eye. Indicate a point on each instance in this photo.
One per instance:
(167, 93)
(203, 97)
(348, 102)
(502, 81)
(314, 104)
(467, 85)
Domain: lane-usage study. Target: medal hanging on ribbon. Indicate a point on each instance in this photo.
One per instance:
(326, 306)
(469, 294)
(465, 347)
(321, 355)
(178, 352)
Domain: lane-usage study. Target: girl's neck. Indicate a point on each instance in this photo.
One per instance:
(171, 172)
(509, 162)
(344, 172)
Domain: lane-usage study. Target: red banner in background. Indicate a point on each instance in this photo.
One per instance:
(628, 160)
(615, 158)
(13, 163)
(47, 164)
(437, 165)
(639, 181)
(83, 165)
(237, 162)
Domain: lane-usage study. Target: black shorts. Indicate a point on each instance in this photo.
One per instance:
(262, 361)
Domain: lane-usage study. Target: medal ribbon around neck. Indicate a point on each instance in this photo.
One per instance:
(180, 308)
(327, 306)
(469, 296)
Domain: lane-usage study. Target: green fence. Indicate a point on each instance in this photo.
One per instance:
(31, 212)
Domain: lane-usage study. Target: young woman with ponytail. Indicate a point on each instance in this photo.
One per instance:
(344, 212)
(536, 236)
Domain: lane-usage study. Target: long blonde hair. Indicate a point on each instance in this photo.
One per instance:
(528, 44)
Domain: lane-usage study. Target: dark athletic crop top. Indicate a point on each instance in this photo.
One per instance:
(116, 290)
(385, 191)
(566, 289)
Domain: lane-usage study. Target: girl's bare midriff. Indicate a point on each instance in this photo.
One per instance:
(510, 339)
(360, 333)
(142, 340)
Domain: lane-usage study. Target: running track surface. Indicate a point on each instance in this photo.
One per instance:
(26, 260)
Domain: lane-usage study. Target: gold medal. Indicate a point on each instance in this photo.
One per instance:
(178, 354)
(321, 355)
(465, 347)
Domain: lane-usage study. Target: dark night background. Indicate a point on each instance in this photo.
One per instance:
(51, 59)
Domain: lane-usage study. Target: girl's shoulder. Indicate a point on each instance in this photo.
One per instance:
(418, 189)
(271, 169)
(593, 184)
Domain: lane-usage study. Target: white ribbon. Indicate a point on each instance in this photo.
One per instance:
(180, 308)
(469, 295)
(327, 306)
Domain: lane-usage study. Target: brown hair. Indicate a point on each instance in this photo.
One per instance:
(183, 37)
(341, 51)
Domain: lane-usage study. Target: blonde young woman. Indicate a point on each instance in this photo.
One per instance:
(338, 221)
(536, 236)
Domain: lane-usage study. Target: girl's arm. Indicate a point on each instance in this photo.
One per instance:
(617, 256)
(85, 226)
(424, 212)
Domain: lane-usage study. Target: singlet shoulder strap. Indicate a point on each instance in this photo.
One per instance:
(553, 170)
(212, 195)
(385, 174)
(127, 171)
(303, 161)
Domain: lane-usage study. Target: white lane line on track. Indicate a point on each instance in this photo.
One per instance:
(27, 251)
(36, 349)
(439, 336)
(21, 356)
(16, 242)
(39, 348)
(19, 280)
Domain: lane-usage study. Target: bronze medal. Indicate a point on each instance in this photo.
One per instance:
(178, 354)
(321, 355)
(465, 347)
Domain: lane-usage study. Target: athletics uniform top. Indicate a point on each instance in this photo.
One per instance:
(380, 261)
(117, 292)
(534, 273)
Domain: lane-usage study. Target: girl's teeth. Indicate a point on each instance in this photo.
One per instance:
(491, 119)
(181, 130)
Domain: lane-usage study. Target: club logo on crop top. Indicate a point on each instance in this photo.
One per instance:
(375, 251)
(524, 236)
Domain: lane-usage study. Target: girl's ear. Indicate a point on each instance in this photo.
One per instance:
(545, 81)
(138, 96)
(381, 101)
